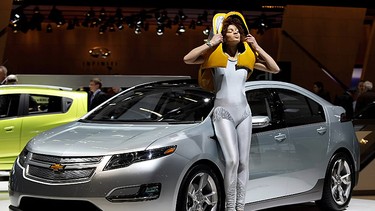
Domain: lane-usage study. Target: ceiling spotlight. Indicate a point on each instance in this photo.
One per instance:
(119, 25)
(90, 13)
(160, 30)
(36, 20)
(102, 15)
(176, 20)
(118, 14)
(164, 16)
(182, 15)
(138, 30)
(102, 29)
(56, 16)
(129, 21)
(111, 28)
(206, 31)
(181, 28)
(49, 28)
(71, 25)
(192, 24)
(18, 21)
(262, 24)
(199, 20)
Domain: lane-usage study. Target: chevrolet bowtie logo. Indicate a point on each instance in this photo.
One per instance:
(57, 167)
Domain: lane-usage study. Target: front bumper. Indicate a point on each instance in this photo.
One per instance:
(110, 190)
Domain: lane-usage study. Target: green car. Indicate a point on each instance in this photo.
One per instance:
(27, 110)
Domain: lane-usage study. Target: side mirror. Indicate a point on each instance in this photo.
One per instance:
(261, 121)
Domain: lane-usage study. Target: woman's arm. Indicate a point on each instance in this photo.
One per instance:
(196, 56)
(267, 63)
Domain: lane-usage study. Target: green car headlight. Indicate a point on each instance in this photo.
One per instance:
(126, 159)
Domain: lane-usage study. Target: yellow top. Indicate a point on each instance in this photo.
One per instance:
(246, 59)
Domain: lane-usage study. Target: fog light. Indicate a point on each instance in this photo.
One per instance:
(135, 193)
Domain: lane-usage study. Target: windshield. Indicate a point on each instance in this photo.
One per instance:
(157, 104)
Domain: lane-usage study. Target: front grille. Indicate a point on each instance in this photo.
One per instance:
(54, 169)
(32, 204)
(54, 159)
(49, 174)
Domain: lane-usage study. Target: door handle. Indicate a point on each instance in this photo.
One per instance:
(280, 137)
(322, 130)
(8, 129)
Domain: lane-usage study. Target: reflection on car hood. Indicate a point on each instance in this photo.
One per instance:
(81, 139)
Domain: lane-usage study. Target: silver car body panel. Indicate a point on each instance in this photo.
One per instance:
(286, 165)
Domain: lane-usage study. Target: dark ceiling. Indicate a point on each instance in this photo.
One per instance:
(200, 4)
(252, 9)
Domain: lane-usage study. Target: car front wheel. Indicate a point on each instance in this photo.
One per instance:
(200, 190)
(338, 184)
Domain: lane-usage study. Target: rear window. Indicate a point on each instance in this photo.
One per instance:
(39, 104)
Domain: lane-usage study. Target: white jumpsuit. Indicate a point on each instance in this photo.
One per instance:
(232, 123)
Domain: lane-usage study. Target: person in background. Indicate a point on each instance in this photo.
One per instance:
(3, 74)
(318, 88)
(365, 98)
(230, 56)
(114, 90)
(360, 89)
(11, 79)
(96, 95)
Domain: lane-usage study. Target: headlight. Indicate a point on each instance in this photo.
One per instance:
(22, 157)
(126, 159)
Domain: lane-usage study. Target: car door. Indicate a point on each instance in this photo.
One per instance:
(269, 152)
(43, 112)
(10, 129)
(309, 138)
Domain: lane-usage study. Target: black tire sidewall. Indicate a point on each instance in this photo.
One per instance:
(327, 202)
(193, 171)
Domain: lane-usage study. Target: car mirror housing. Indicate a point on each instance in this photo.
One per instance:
(260, 121)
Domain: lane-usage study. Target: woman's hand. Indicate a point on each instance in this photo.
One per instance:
(216, 39)
(252, 41)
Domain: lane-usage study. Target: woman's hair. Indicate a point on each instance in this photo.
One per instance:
(233, 21)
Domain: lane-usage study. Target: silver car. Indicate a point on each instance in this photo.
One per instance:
(152, 147)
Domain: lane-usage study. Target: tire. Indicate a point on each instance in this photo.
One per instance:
(338, 183)
(201, 190)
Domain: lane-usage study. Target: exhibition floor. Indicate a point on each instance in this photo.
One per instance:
(358, 203)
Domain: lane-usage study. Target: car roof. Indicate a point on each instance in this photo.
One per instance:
(194, 83)
(35, 86)
(258, 84)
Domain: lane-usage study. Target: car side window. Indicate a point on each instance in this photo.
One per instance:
(262, 103)
(9, 105)
(299, 109)
(41, 104)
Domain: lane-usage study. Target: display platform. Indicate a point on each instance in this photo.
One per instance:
(356, 204)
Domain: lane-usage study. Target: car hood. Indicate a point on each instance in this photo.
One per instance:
(82, 139)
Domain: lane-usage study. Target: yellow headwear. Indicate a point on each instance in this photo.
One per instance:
(246, 59)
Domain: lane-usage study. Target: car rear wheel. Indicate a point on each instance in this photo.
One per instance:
(338, 184)
(200, 190)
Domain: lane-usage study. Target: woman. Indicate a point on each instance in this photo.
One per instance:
(232, 54)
